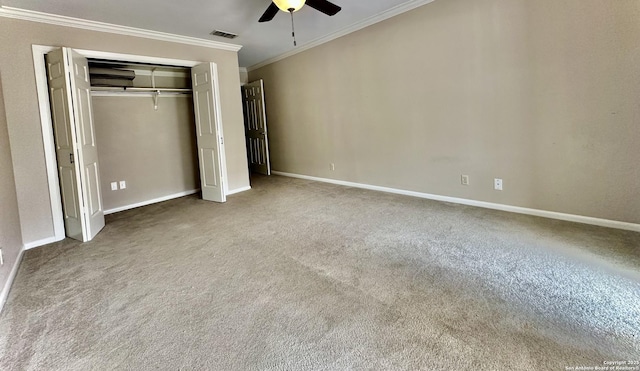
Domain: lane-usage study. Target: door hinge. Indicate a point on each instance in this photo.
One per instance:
(221, 140)
(71, 158)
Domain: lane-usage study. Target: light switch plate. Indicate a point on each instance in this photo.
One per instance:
(114, 186)
(123, 184)
(464, 179)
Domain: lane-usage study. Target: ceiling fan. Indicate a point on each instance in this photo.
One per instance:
(294, 5)
(291, 6)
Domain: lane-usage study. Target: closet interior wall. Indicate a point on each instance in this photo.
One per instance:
(146, 139)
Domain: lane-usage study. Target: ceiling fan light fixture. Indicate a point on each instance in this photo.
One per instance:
(285, 5)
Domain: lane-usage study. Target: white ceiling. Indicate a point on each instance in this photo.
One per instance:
(197, 18)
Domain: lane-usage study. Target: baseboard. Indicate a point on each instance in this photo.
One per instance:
(42, 242)
(238, 190)
(12, 275)
(153, 201)
(487, 205)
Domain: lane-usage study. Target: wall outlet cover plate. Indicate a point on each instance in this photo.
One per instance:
(497, 184)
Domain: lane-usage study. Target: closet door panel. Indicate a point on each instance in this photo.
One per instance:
(76, 151)
(65, 138)
(87, 148)
(208, 132)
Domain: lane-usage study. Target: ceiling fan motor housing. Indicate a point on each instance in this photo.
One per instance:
(287, 5)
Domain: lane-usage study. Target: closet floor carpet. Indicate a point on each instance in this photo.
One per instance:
(300, 275)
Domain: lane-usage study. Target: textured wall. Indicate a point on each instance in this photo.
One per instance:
(10, 237)
(16, 64)
(544, 94)
(153, 151)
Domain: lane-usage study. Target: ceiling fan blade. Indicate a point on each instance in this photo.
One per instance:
(271, 12)
(324, 6)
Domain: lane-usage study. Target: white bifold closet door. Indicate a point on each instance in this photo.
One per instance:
(208, 132)
(75, 141)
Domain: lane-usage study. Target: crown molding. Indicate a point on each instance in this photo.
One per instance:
(59, 20)
(396, 10)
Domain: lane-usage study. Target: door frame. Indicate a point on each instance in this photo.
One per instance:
(39, 51)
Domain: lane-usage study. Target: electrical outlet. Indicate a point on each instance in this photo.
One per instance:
(114, 186)
(497, 184)
(123, 184)
(464, 179)
(332, 166)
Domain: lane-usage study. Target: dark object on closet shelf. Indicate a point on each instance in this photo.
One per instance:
(119, 83)
(112, 73)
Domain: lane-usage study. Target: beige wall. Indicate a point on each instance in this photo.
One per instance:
(153, 151)
(544, 94)
(16, 66)
(10, 237)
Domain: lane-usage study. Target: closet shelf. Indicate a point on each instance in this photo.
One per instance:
(144, 90)
(105, 91)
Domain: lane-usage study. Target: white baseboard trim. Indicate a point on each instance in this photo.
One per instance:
(238, 190)
(42, 242)
(153, 201)
(12, 275)
(487, 205)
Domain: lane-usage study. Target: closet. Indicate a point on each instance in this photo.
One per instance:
(126, 133)
(144, 131)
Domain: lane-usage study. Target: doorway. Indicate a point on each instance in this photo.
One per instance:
(255, 123)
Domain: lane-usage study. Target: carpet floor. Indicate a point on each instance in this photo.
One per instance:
(299, 275)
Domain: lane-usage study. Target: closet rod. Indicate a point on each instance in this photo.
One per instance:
(147, 90)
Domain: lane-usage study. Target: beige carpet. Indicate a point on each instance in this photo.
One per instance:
(297, 275)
